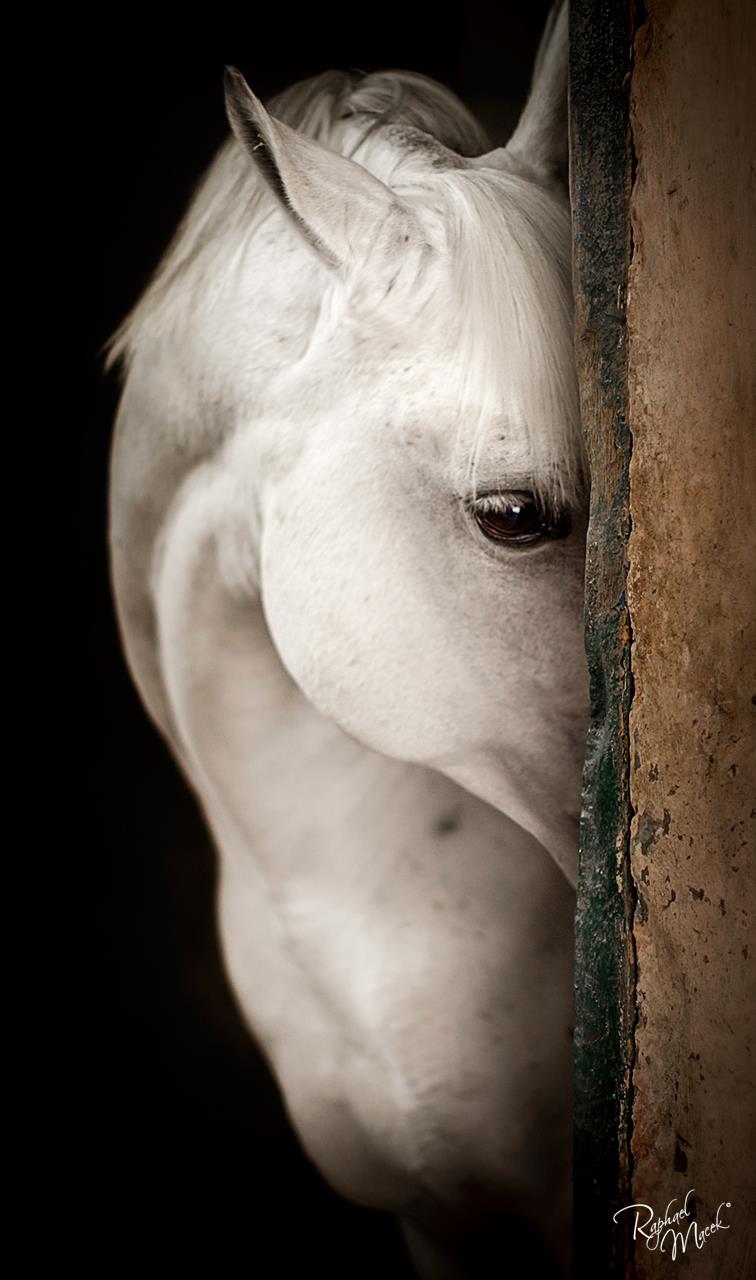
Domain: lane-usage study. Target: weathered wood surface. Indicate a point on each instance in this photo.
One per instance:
(665, 283)
(600, 164)
(692, 598)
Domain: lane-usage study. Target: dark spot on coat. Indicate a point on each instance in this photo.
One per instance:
(446, 825)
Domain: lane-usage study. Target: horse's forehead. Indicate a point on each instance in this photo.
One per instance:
(404, 412)
(393, 376)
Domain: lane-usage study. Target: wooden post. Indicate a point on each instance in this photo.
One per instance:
(601, 172)
(665, 276)
(692, 597)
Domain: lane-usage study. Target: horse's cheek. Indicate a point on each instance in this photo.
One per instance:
(331, 618)
(305, 611)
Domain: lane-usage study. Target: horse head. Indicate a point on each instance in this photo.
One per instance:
(420, 494)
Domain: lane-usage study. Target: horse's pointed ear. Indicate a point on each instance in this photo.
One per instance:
(337, 206)
(539, 143)
(540, 139)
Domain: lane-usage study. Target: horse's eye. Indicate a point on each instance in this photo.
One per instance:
(516, 518)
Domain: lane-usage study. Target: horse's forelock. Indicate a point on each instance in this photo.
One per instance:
(510, 251)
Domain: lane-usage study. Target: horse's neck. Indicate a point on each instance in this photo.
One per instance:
(353, 888)
(204, 356)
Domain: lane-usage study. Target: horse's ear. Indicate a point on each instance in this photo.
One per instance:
(337, 206)
(539, 143)
(540, 139)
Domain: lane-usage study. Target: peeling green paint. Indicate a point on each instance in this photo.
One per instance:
(600, 181)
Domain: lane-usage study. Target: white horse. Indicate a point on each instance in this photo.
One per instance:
(348, 538)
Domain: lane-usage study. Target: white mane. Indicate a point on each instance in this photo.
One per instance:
(230, 196)
(508, 239)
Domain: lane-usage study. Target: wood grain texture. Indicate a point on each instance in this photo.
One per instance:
(692, 596)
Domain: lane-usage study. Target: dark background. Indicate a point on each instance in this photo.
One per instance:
(168, 1145)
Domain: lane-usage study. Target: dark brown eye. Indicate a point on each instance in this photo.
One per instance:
(517, 518)
(511, 518)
